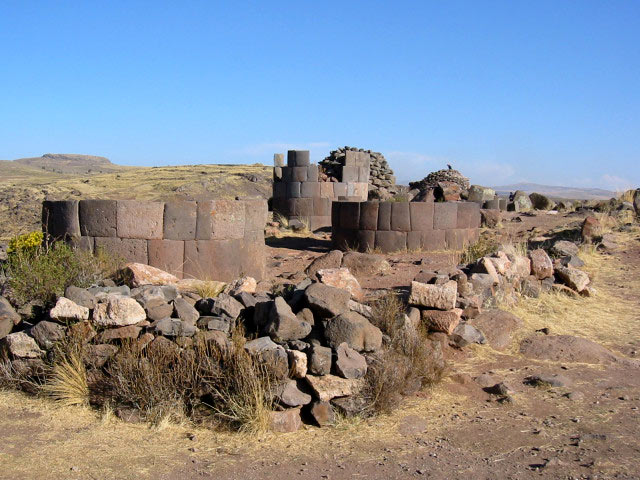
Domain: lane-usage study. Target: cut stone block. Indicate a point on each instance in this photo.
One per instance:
(326, 189)
(421, 216)
(445, 215)
(301, 207)
(414, 240)
(299, 174)
(369, 215)
(361, 190)
(455, 239)
(366, 240)
(131, 250)
(390, 241)
(60, 219)
(309, 189)
(293, 189)
(400, 217)
(256, 213)
(363, 174)
(220, 219)
(278, 159)
(350, 215)
(433, 240)
(279, 189)
(339, 189)
(141, 220)
(312, 173)
(468, 215)
(98, 218)
(349, 174)
(180, 220)
(167, 255)
(322, 207)
(384, 216)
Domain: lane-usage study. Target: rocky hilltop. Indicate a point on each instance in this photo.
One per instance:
(70, 163)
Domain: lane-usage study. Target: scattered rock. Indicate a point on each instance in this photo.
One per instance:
(333, 259)
(355, 330)
(66, 310)
(283, 324)
(573, 278)
(174, 327)
(118, 312)
(567, 348)
(270, 354)
(8, 317)
(290, 396)
(243, 284)
(327, 387)
(541, 264)
(298, 363)
(564, 248)
(46, 334)
(185, 311)
(547, 381)
(225, 304)
(591, 229)
(498, 327)
(285, 421)
(442, 321)
(350, 364)
(465, 334)
(341, 278)
(138, 274)
(365, 264)
(130, 332)
(442, 297)
(81, 296)
(490, 218)
(320, 360)
(21, 345)
(323, 414)
(327, 301)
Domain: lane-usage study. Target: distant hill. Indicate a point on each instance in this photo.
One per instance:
(65, 163)
(571, 193)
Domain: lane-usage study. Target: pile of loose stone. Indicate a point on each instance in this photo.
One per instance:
(315, 337)
(445, 185)
(382, 182)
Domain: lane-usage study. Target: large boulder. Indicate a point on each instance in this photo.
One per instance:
(490, 218)
(21, 345)
(290, 395)
(541, 202)
(521, 201)
(541, 264)
(285, 421)
(326, 387)
(564, 248)
(349, 363)
(355, 330)
(8, 317)
(118, 312)
(46, 334)
(267, 352)
(572, 277)
(333, 259)
(636, 201)
(365, 264)
(80, 296)
(480, 194)
(66, 310)
(442, 321)
(138, 274)
(283, 324)
(327, 301)
(567, 348)
(341, 278)
(442, 297)
(498, 327)
(465, 334)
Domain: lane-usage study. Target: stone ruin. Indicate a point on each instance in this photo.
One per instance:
(382, 181)
(219, 239)
(302, 192)
(396, 226)
(445, 185)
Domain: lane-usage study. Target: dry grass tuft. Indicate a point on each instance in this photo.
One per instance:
(485, 245)
(67, 383)
(209, 288)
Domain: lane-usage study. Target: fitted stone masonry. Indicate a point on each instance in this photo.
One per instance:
(300, 193)
(210, 240)
(395, 226)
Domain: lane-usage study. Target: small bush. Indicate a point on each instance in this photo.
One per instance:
(25, 244)
(483, 247)
(408, 363)
(43, 274)
(67, 381)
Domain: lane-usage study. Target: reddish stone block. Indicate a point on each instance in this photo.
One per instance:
(339, 189)
(60, 219)
(363, 174)
(180, 220)
(361, 191)
(384, 216)
(369, 215)
(366, 240)
(350, 215)
(301, 207)
(220, 219)
(167, 255)
(433, 240)
(421, 216)
(255, 214)
(322, 207)
(400, 217)
(213, 259)
(468, 215)
(455, 239)
(349, 174)
(391, 241)
(445, 215)
(326, 189)
(414, 240)
(312, 173)
(98, 218)
(299, 174)
(130, 250)
(140, 220)
(309, 189)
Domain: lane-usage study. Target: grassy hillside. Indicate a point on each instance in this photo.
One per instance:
(24, 187)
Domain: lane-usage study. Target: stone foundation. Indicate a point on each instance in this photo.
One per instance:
(209, 240)
(395, 226)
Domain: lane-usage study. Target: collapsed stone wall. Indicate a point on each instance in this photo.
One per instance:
(382, 181)
(210, 240)
(396, 226)
(302, 192)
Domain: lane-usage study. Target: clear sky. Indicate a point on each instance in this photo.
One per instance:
(541, 91)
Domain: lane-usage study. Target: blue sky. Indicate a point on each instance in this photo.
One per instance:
(507, 91)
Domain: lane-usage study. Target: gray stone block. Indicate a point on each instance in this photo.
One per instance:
(301, 207)
(298, 158)
(339, 189)
(167, 255)
(277, 174)
(141, 220)
(433, 240)
(319, 221)
(322, 207)
(220, 219)
(468, 215)
(350, 215)
(299, 174)
(60, 219)
(293, 189)
(309, 189)
(128, 249)
(391, 241)
(445, 215)
(279, 189)
(421, 216)
(180, 220)
(82, 243)
(456, 239)
(363, 174)
(278, 159)
(366, 240)
(287, 174)
(98, 218)
(349, 174)
(335, 215)
(326, 189)
(344, 239)
(256, 213)
(400, 217)
(384, 216)
(312, 173)
(414, 240)
(369, 215)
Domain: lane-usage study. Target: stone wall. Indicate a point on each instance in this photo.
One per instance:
(302, 192)
(209, 240)
(396, 226)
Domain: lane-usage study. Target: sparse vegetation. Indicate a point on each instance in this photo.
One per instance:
(485, 245)
(67, 381)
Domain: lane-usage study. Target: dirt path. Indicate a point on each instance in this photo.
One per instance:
(584, 429)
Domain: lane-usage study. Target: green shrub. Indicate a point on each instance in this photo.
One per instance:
(44, 273)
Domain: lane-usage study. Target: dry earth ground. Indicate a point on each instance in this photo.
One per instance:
(455, 430)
